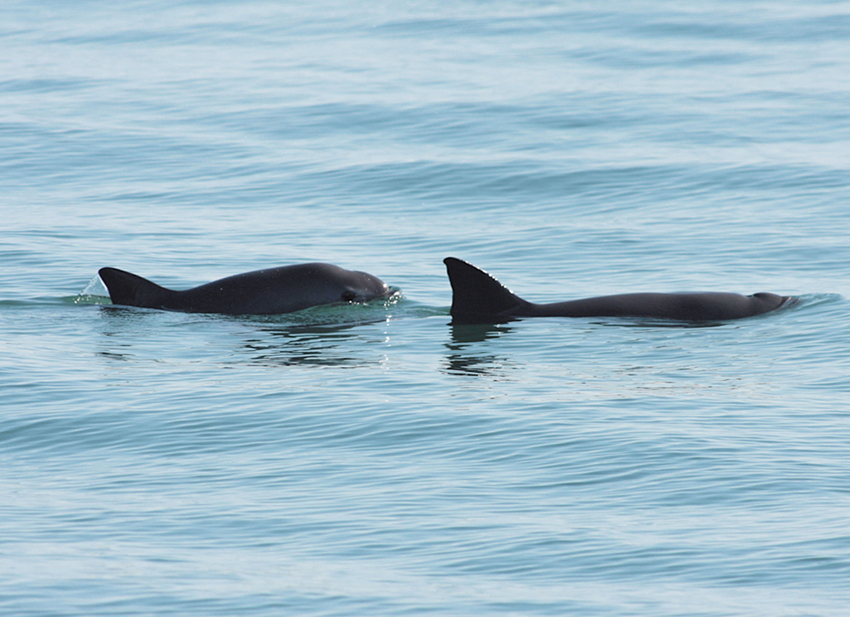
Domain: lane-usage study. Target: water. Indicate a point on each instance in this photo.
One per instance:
(376, 459)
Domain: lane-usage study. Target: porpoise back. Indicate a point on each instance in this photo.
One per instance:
(262, 292)
(477, 297)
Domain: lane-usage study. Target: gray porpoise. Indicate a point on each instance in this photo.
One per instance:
(477, 297)
(263, 292)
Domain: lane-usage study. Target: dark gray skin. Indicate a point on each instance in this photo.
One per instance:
(479, 298)
(263, 292)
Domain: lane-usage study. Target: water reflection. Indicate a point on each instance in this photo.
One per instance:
(467, 357)
(341, 345)
(133, 334)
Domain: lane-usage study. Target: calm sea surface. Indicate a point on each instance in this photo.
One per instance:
(375, 459)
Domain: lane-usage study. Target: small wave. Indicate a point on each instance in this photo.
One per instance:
(94, 293)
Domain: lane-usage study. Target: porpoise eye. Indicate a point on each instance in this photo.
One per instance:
(348, 296)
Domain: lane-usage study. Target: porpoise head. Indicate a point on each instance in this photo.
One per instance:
(362, 287)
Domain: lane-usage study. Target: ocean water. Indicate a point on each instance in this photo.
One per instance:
(375, 459)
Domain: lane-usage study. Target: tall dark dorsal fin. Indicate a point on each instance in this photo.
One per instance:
(477, 297)
(129, 289)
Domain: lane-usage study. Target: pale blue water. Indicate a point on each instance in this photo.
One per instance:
(375, 460)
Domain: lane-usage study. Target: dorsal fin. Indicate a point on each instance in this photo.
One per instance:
(477, 297)
(131, 290)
